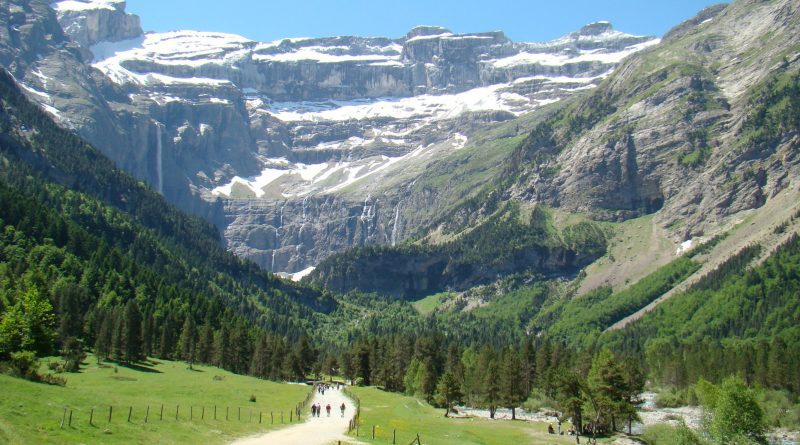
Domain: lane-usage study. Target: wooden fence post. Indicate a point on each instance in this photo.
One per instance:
(259, 417)
(91, 417)
(394, 436)
(203, 413)
(373, 432)
(177, 410)
(147, 414)
(70, 418)
(239, 417)
(291, 416)
(110, 410)
(215, 412)
(130, 411)
(63, 417)
(226, 412)
(271, 418)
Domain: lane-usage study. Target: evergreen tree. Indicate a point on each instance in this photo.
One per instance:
(187, 343)
(72, 353)
(117, 333)
(70, 297)
(490, 396)
(102, 346)
(512, 382)
(132, 333)
(448, 391)
(306, 355)
(363, 365)
(205, 343)
(261, 359)
(608, 387)
(569, 389)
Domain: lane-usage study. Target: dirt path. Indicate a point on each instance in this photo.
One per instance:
(321, 430)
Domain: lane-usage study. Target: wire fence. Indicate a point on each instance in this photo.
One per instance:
(97, 415)
(377, 432)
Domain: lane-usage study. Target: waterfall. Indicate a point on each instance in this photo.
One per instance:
(396, 218)
(366, 215)
(159, 166)
(303, 224)
(280, 224)
(272, 265)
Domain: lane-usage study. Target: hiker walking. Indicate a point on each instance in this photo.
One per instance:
(328, 409)
(342, 408)
(313, 410)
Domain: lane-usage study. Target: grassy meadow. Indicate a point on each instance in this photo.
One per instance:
(410, 416)
(32, 412)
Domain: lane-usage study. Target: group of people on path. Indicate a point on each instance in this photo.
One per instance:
(316, 408)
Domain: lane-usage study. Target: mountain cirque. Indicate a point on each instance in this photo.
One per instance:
(300, 147)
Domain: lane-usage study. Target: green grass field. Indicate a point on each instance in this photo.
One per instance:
(409, 416)
(31, 412)
(428, 304)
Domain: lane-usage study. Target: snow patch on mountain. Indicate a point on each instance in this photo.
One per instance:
(433, 106)
(560, 59)
(88, 5)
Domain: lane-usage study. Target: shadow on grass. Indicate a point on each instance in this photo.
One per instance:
(139, 367)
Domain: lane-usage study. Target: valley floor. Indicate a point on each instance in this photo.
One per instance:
(31, 413)
(321, 430)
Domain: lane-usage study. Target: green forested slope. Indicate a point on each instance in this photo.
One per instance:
(107, 253)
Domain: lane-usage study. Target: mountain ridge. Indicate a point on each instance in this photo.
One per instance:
(221, 144)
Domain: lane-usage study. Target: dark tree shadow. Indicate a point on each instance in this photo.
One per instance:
(141, 367)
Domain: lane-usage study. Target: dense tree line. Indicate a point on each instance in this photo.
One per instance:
(739, 320)
(508, 241)
(92, 259)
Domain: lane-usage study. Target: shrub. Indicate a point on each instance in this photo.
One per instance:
(665, 434)
(24, 364)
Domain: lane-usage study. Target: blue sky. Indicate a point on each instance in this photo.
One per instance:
(522, 20)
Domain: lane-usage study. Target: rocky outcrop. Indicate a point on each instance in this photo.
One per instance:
(665, 133)
(89, 22)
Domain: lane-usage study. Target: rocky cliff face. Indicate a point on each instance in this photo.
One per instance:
(335, 128)
(88, 23)
(667, 132)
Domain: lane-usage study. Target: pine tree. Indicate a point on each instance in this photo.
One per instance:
(569, 389)
(132, 334)
(306, 354)
(102, 346)
(608, 387)
(448, 391)
(512, 382)
(187, 343)
(70, 297)
(205, 343)
(222, 355)
(490, 396)
(116, 336)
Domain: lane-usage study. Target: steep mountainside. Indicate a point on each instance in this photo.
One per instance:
(302, 147)
(67, 210)
(700, 132)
